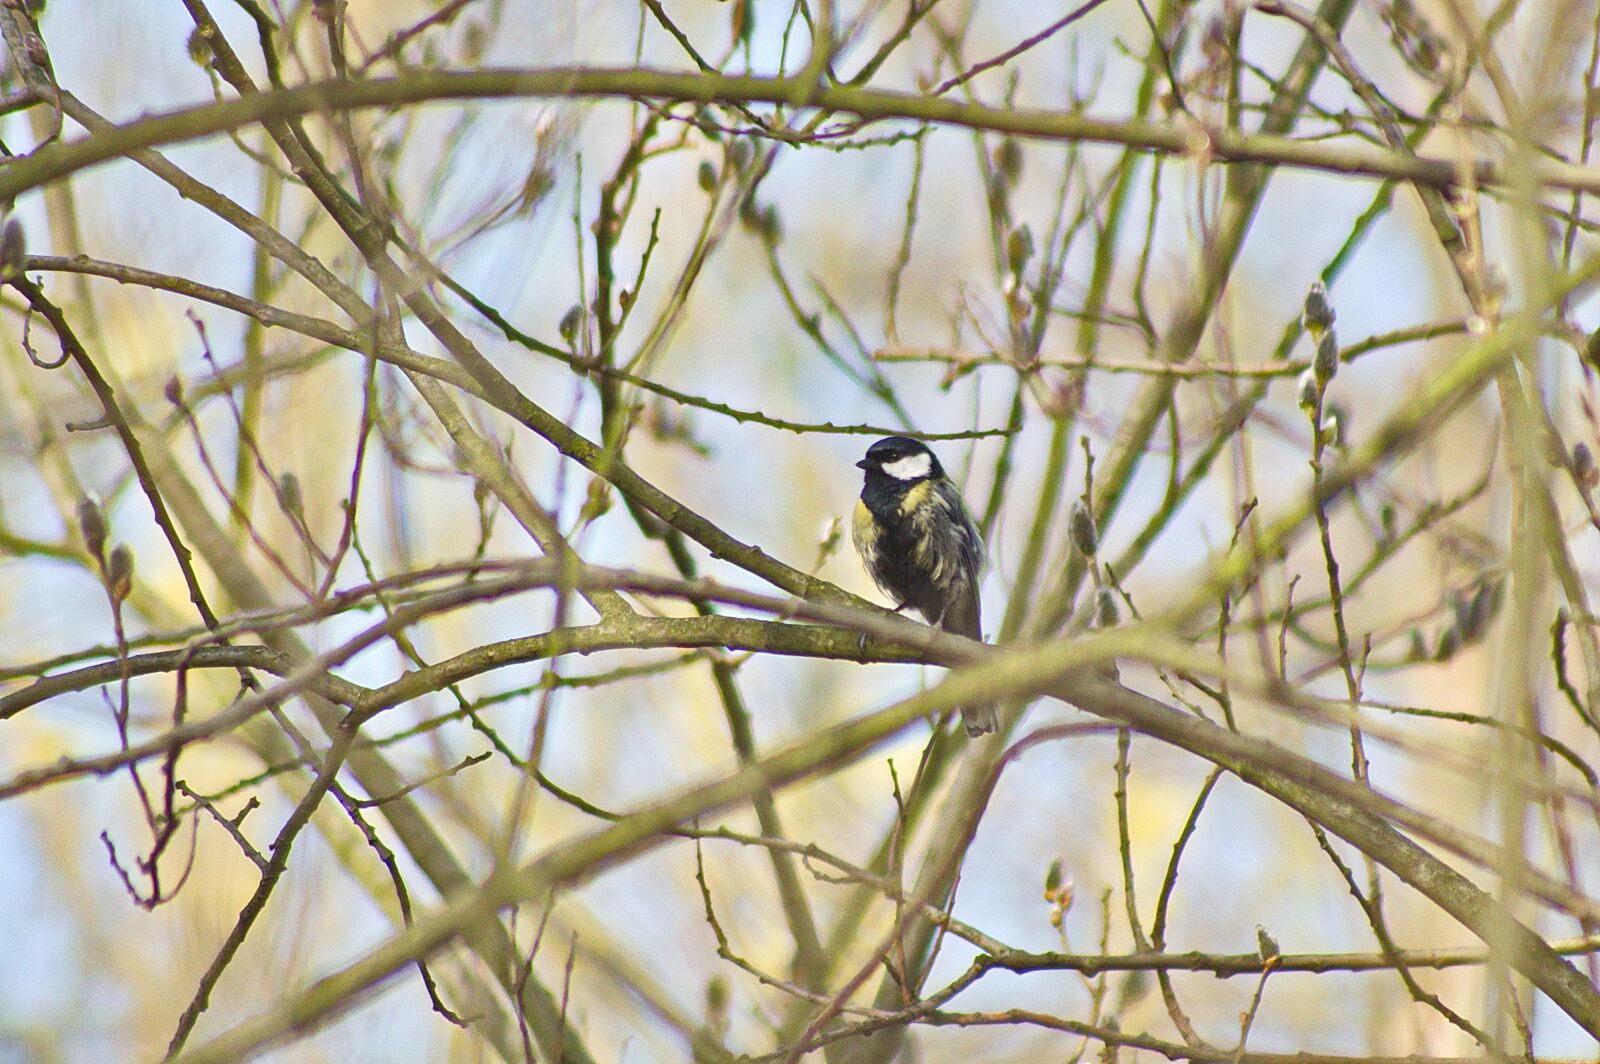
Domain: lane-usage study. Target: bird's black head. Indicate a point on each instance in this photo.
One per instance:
(902, 459)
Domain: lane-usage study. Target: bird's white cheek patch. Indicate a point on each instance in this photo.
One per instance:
(910, 467)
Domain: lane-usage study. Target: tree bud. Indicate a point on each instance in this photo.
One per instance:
(1106, 613)
(1318, 316)
(1019, 249)
(1326, 364)
(1310, 391)
(570, 322)
(13, 249)
(1081, 531)
(119, 572)
(92, 525)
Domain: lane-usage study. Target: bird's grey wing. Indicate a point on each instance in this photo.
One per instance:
(961, 544)
(961, 549)
(962, 614)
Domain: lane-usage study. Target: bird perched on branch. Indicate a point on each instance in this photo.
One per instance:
(920, 545)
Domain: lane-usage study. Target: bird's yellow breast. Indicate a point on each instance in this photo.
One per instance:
(864, 529)
(916, 498)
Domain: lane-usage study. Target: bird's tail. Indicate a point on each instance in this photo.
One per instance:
(979, 719)
(963, 617)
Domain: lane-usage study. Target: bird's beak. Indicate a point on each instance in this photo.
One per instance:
(863, 464)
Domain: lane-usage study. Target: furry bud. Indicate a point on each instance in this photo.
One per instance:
(293, 500)
(1266, 945)
(570, 322)
(1052, 880)
(199, 49)
(13, 249)
(771, 226)
(119, 572)
(1310, 391)
(1318, 316)
(1326, 364)
(92, 525)
(1473, 614)
(1008, 160)
(717, 994)
(1019, 248)
(750, 214)
(1334, 431)
(1081, 530)
(1106, 613)
(1583, 466)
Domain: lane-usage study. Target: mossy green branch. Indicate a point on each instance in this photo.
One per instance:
(58, 160)
(1062, 670)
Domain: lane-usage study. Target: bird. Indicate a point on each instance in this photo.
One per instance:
(920, 545)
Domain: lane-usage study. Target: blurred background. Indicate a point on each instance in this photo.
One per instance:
(888, 276)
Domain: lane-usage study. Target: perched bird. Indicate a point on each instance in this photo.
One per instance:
(919, 543)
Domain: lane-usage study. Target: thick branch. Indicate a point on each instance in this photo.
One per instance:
(1297, 781)
(57, 160)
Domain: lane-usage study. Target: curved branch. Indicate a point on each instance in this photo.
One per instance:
(1298, 782)
(1020, 672)
(60, 159)
(223, 657)
(1338, 805)
(400, 355)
